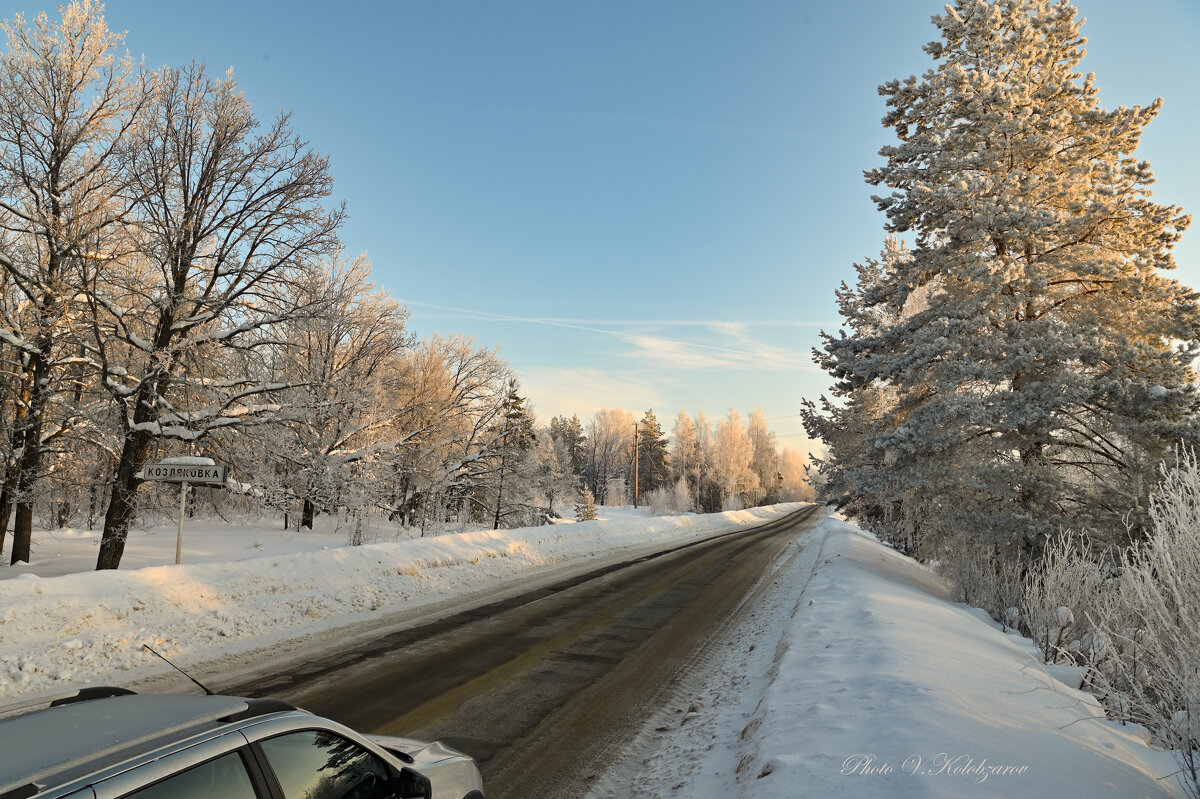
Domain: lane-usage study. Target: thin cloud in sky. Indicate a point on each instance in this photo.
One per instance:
(731, 329)
(576, 322)
(666, 352)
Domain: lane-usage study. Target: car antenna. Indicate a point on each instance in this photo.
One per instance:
(181, 671)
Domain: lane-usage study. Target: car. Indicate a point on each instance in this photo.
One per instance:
(112, 743)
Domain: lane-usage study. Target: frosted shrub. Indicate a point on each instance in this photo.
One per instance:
(979, 578)
(616, 492)
(670, 499)
(661, 501)
(1148, 667)
(732, 502)
(1057, 594)
(684, 502)
(963, 567)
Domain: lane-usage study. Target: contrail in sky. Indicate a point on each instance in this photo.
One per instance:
(631, 337)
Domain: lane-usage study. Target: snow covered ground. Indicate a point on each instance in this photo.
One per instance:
(854, 674)
(858, 676)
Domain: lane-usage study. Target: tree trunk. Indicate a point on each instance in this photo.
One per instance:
(122, 505)
(62, 503)
(499, 495)
(22, 533)
(30, 461)
(22, 524)
(6, 492)
(310, 512)
(93, 502)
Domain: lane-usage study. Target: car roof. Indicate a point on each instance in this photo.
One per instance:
(72, 740)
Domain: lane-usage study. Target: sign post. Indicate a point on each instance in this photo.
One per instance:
(179, 535)
(185, 471)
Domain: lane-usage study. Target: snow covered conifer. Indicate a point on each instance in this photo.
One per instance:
(653, 469)
(1039, 358)
(585, 508)
(856, 478)
(570, 433)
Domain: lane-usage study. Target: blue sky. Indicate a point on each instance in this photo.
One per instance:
(644, 204)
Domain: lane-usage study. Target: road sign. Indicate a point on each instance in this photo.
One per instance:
(185, 471)
(200, 474)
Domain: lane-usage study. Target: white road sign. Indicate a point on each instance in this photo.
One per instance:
(185, 473)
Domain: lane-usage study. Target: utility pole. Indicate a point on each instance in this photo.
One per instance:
(635, 464)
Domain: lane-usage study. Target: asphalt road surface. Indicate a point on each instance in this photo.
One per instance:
(543, 689)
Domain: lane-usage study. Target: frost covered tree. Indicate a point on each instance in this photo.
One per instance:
(585, 508)
(709, 496)
(227, 219)
(1036, 357)
(652, 469)
(733, 462)
(341, 413)
(687, 460)
(456, 391)
(796, 486)
(765, 459)
(569, 432)
(68, 102)
(549, 472)
(609, 453)
(513, 437)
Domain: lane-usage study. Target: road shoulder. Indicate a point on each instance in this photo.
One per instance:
(695, 744)
(862, 678)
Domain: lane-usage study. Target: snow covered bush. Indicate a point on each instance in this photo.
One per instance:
(617, 492)
(670, 499)
(1133, 619)
(1147, 640)
(981, 579)
(1057, 593)
(661, 501)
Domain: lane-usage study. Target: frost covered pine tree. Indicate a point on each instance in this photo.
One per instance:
(585, 508)
(653, 469)
(1040, 360)
(853, 476)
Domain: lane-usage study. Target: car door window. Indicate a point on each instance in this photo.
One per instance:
(225, 777)
(315, 764)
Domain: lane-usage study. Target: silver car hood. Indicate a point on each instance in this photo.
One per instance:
(451, 773)
(422, 752)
